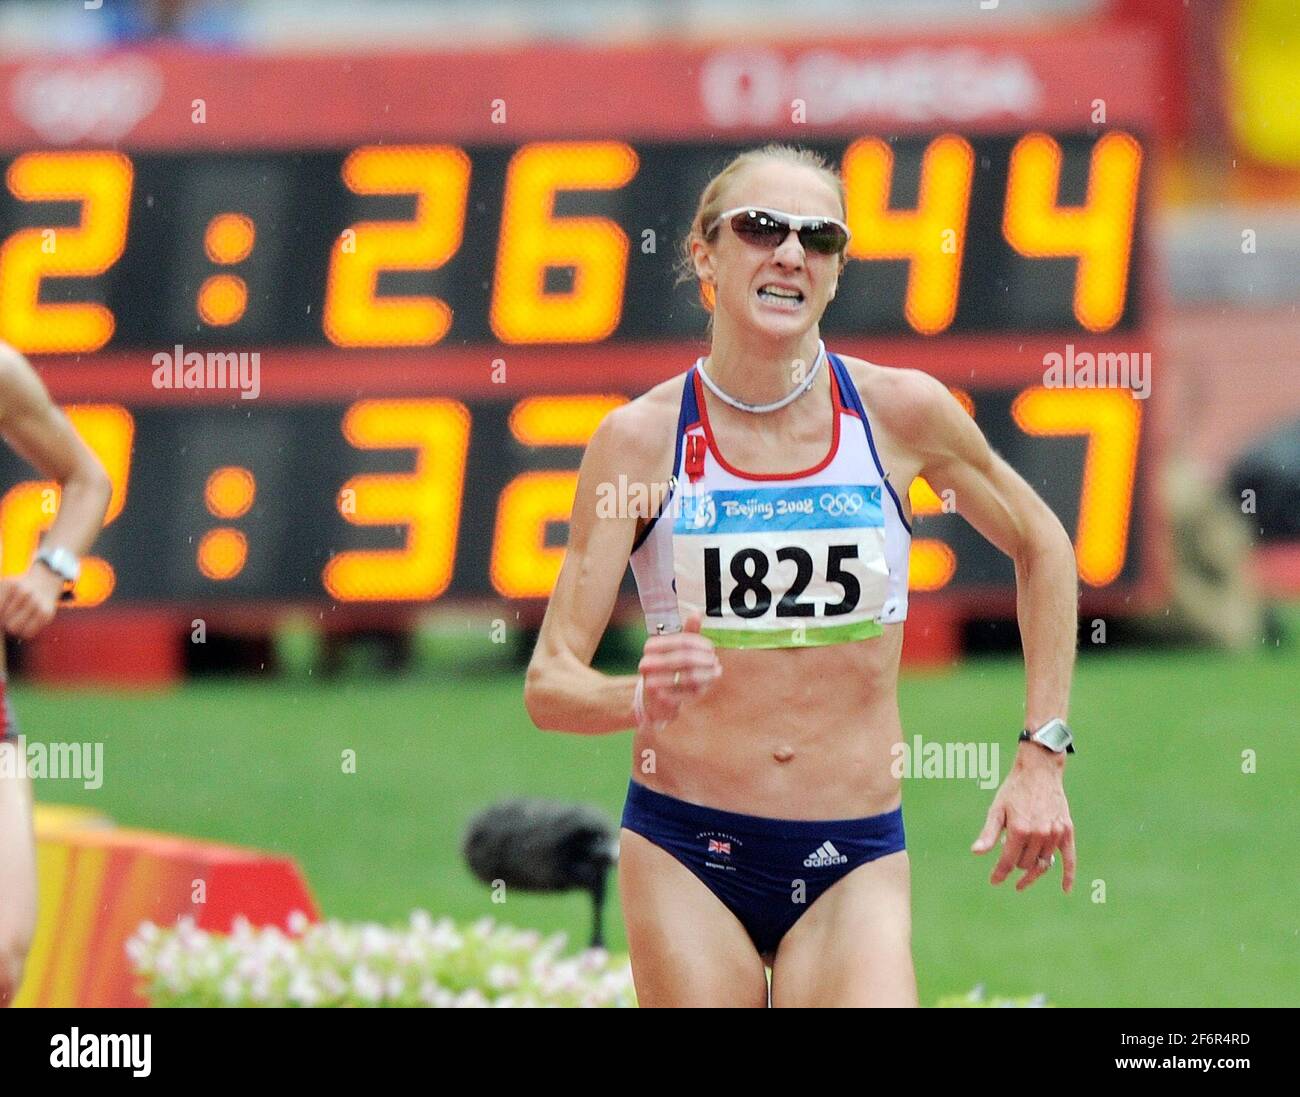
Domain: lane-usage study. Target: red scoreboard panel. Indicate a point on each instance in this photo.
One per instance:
(347, 347)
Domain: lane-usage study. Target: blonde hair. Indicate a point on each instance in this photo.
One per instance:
(713, 199)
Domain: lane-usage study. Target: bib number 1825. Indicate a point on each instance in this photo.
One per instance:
(752, 597)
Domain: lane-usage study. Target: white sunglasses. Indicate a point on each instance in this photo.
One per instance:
(767, 228)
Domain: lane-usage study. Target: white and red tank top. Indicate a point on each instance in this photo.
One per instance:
(776, 560)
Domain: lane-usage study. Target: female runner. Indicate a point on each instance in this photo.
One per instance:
(763, 823)
(39, 432)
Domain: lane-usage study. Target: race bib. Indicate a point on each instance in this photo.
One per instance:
(782, 566)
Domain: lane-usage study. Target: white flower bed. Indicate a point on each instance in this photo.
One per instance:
(424, 963)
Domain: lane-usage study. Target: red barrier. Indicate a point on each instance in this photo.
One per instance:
(98, 885)
(932, 636)
(107, 647)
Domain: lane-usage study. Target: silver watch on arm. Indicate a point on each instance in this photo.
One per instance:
(64, 563)
(1055, 735)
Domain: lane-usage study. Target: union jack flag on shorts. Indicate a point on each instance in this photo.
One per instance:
(719, 847)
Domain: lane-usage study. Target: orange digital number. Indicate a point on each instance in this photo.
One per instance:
(1099, 233)
(426, 501)
(438, 176)
(931, 237)
(533, 239)
(29, 508)
(1112, 420)
(101, 183)
(931, 563)
(523, 566)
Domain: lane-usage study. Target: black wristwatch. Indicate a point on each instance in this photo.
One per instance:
(1055, 735)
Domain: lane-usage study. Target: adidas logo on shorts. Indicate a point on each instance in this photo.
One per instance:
(823, 855)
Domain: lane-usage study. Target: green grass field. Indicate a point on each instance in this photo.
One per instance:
(1198, 859)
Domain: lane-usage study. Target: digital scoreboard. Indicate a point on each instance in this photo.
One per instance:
(356, 361)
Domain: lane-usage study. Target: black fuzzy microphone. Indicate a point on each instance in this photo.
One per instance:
(541, 845)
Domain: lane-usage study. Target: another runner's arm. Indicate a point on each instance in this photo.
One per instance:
(38, 431)
(998, 502)
(561, 690)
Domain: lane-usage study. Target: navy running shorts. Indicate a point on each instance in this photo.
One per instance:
(767, 872)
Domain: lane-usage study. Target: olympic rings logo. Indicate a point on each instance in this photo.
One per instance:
(841, 503)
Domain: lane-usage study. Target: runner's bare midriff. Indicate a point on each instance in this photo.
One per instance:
(788, 734)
